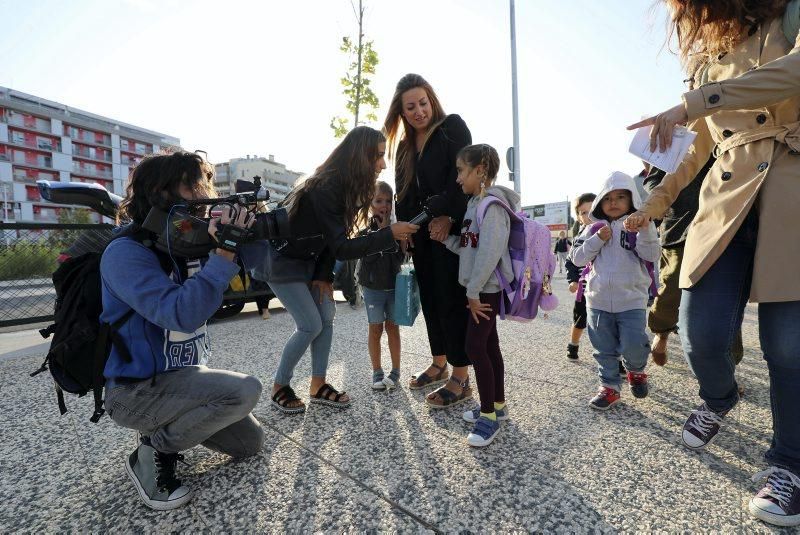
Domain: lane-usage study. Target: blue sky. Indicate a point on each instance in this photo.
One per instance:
(241, 77)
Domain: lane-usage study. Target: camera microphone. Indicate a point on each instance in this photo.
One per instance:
(434, 207)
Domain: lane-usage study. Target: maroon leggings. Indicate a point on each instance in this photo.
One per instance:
(483, 350)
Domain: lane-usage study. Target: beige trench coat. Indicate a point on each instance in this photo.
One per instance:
(748, 112)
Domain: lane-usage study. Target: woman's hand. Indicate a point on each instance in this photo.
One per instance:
(403, 231)
(324, 288)
(476, 308)
(439, 228)
(239, 218)
(663, 124)
(635, 221)
(407, 246)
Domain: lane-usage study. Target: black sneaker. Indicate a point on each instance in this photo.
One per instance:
(638, 382)
(153, 474)
(604, 399)
(778, 502)
(572, 352)
(701, 427)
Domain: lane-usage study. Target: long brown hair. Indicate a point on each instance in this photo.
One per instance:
(156, 179)
(714, 27)
(353, 163)
(400, 144)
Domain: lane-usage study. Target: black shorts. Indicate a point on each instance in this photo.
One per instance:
(579, 314)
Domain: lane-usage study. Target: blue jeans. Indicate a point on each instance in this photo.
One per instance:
(615, 334)
(379, 305)
(314, 321)
(710, 316)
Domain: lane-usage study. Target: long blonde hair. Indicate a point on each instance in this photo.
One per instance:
(713, 27)
(400, 144)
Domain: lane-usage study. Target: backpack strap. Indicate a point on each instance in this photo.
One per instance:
(791, 21)
(107, 335)
(480, 212)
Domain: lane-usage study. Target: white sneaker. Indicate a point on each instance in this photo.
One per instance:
(388, 383)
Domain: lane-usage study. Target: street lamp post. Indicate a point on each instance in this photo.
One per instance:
(514, 99)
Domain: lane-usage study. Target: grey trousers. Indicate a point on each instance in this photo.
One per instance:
(191, 406)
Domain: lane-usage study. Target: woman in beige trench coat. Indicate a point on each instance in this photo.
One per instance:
(744, 240)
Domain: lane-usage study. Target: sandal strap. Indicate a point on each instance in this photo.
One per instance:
(441, 369)
(284, 396)
(447, 396)
(464, 385)
(325, 392)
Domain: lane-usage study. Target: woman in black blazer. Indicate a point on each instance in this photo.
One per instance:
(423, 142)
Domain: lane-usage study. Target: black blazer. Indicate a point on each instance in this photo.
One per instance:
(435, 173)
(319, 233)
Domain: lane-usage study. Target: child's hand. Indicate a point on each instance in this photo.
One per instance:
(604, 233)
(573, 287)
(476, 308)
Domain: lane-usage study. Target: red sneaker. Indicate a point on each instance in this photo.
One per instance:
(604, 399)
(638, 382)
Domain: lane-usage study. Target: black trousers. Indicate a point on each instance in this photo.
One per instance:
(483, 348)
(443, 299)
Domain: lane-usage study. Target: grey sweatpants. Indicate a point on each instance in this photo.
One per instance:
(191, 406)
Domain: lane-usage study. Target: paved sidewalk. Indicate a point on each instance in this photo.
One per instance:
(389, 463)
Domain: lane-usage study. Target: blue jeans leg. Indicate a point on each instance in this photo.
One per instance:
(634, 342)
(710, 316)
(604, 335)
(314, 328)
(779, 331)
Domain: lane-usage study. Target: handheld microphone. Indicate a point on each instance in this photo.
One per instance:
(434, 207)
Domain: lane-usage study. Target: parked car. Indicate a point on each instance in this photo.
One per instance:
(94, 196)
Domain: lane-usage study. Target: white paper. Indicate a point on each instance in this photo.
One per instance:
(670, 159)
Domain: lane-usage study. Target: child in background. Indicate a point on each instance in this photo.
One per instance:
(582, 205)
(376, 275)
(481, 251)
(561, 249)
(617, 289)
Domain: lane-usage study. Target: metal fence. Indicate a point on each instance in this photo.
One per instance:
(29, 253)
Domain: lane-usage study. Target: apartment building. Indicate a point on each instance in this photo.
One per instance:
(274, 175)
(41, 139)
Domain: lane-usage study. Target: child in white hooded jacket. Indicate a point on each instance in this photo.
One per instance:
(617, 289)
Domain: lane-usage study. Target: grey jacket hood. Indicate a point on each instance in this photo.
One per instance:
(510, 196)
(617, 180)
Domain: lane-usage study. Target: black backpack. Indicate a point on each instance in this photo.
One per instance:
(81, 343)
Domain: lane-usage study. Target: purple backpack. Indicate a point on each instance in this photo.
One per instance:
(630, 240)
(532, 261)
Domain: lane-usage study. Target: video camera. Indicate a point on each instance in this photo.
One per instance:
(182, 234)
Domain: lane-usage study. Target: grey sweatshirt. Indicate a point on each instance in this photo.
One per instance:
(618, 281)
(478, 262)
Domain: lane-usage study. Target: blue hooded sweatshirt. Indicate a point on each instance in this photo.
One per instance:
(168, 328)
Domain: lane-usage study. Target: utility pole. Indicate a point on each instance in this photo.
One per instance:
(358, 73)
(514, 98)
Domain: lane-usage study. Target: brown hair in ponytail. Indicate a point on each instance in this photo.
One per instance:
(481, 154)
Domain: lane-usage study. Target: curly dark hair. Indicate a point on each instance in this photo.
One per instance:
(156, 180)
(353, 163)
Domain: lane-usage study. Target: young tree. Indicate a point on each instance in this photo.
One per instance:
(357, 80)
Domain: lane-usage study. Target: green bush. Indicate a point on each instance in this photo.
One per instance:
(28, 260)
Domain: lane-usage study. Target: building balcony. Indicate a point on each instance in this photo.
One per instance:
(18, 120)
(40, 145)
(45, 162)
(86, 156)
(92, 173)
(89, 139)
(140, 151)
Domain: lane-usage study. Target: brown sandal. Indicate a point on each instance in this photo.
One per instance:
(422, 380)
(448, 398)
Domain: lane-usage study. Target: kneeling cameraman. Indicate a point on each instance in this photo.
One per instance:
(166, 392)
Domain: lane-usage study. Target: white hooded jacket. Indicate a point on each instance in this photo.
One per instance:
(618, 280)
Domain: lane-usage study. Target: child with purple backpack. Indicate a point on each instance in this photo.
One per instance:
(618, 285)
(482, 252)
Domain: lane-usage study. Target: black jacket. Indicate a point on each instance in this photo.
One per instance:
(435, 173)
(676, 220)
(562, 245)
(378, 271)
(319, 232)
